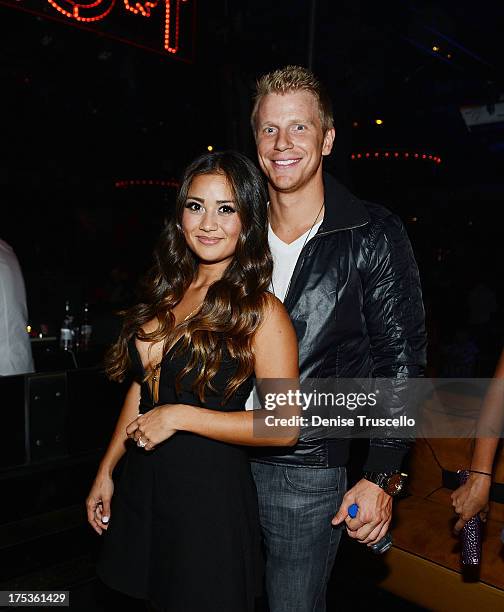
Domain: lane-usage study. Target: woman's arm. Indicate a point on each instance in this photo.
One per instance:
(275, 356)
(490, 423)
(98, 501)
(116, 447)
(472, 497)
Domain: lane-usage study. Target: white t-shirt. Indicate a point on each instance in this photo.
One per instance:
(285, 257)
(15, 350)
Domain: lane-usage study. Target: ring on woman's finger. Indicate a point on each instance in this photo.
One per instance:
(141, 443)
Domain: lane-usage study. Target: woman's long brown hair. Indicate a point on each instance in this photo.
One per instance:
(234, 305)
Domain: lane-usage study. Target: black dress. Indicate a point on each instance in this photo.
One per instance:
(184, 529)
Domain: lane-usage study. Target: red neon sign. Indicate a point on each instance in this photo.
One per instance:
(96, 10)
(140, 8)
(84, 11)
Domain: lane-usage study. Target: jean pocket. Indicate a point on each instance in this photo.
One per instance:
(312, 480)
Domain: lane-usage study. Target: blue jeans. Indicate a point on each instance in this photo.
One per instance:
(296, 505)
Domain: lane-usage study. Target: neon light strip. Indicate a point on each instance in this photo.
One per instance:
(141, 9)
(124, 184)
(167, 43)
(396, 155)
(75, 14)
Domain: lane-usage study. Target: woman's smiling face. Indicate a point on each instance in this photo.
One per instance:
(210, 221)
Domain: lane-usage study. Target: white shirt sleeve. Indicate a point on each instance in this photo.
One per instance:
(15, 349)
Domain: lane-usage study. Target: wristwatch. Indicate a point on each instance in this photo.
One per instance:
(391, 482)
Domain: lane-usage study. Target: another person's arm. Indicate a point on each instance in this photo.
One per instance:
(100, 495)
(472, 497)
(275, 356)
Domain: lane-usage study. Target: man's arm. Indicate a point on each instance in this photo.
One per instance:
(395, 319)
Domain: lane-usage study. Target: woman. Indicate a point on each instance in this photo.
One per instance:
(473, 496)
(182, 528)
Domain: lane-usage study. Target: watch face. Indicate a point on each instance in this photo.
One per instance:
(395, 484)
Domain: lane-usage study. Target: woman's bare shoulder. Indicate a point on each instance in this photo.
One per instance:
(273, 306)
(275, 320)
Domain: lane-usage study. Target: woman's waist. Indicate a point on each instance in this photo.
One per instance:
(192, 449)
(234, 404)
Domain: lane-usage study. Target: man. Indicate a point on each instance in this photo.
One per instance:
(345, 271)
(15, 350)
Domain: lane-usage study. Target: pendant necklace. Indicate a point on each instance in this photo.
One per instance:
(304, 244)
(157, 367)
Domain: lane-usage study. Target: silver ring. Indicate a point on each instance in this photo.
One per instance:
(141, 443)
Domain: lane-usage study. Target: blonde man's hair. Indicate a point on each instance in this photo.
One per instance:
(289, 79)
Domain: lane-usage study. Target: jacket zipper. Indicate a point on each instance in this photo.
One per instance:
(300, 260)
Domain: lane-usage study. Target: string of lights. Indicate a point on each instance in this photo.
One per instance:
(167, 35)
(78, 10)
(126, 183)
(140, 8)
(396, 155)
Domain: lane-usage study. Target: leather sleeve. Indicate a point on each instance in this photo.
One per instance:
(395, 319)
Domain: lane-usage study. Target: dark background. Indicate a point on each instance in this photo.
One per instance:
(85, 105)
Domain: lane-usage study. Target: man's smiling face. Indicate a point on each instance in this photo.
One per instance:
(290, 140)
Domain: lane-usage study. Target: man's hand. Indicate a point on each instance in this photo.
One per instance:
(155, 426)
(374, 516)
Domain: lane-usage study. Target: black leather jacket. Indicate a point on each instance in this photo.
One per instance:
(356, 304)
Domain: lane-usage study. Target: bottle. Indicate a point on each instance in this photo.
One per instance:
(383, 544)
(86, 329)
(67, 331)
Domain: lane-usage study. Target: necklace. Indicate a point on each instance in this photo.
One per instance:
(304, 244)
(158, 365)
(192, 312)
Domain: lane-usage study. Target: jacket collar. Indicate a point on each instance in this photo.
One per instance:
(343, 210)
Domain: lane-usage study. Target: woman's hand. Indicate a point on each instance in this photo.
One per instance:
(470, 499)
(155, 426)
(98, 502)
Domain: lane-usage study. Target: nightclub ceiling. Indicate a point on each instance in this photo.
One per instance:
(115, 90)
